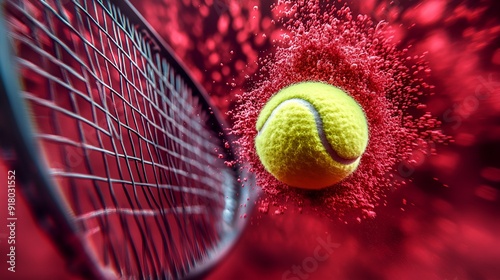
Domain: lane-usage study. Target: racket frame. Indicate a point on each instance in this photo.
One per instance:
(21, 152)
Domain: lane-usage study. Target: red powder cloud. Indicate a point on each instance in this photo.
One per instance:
(359, 56)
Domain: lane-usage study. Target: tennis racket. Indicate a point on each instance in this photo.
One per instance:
(122, 158)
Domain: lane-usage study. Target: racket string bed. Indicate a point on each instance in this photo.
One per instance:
(129, 143)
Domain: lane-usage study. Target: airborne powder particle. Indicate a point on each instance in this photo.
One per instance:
(322, 43)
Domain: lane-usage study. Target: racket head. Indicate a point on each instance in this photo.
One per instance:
(138, 234)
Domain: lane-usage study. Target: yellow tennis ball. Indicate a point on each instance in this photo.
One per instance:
(311, 135)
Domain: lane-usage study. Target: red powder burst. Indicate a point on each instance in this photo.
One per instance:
(322, 43)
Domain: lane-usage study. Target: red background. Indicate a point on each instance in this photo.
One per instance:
(430, 229)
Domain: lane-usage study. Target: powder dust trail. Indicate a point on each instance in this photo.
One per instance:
(323, 43)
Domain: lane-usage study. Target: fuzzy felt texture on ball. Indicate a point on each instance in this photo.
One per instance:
(311, 135)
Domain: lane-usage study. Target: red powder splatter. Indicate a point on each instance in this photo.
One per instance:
(326, 44)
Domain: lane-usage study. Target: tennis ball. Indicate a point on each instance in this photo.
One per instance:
(311, 135)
